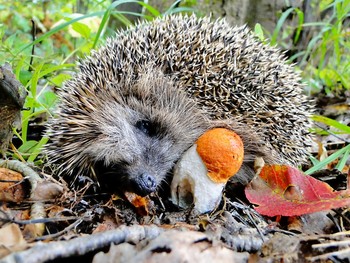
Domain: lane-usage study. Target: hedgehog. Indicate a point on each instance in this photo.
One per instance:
(136, 104)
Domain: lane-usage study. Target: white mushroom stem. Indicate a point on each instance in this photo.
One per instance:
(192, 186)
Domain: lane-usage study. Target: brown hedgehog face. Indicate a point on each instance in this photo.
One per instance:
(136, 131)
(139, 156)
(144, 135)
(150, 155)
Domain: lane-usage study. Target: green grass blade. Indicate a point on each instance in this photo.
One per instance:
(316, 24)
(30, 102)
(106, 16)
(314, 160)
(279, 25)
(300, 15)
(155, 12)
(168, 11)
(122, 18)
(181, 9)
(331, 122)
(328, 160)
(15, 132)
(342, 162)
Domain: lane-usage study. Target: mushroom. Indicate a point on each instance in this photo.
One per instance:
(204, 169)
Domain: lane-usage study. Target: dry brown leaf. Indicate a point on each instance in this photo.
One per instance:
(55, 211)
(140, 203)
(109, 223)
(295, 224)
(11, 191)
(46, 190)
(283, 247)
(31, 231)
(11, 239)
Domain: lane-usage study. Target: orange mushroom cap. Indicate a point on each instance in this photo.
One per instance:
(222, 152)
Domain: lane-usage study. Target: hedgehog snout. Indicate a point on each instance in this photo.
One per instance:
(135, 177)
(144, 184)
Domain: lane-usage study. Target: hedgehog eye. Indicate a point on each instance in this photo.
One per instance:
(146, 127)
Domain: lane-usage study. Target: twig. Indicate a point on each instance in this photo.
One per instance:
(60, 233)
(43, 252)
(344, 254)
(16, 152)
(332, 244)
(8, 219)
(247, 212)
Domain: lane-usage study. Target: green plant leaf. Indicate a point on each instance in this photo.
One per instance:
(259, 32)
(55, 30)
(48, 99)
(345, 81)
(27, 147)
(329, 76)
(36, 149)
(59, 79)
(170, 10)
(82, 29)
(25, 76)
(53, 68)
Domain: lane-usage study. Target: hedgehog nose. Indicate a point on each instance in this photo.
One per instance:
(145, 184)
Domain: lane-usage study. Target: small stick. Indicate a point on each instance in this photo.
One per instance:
(43, 252)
